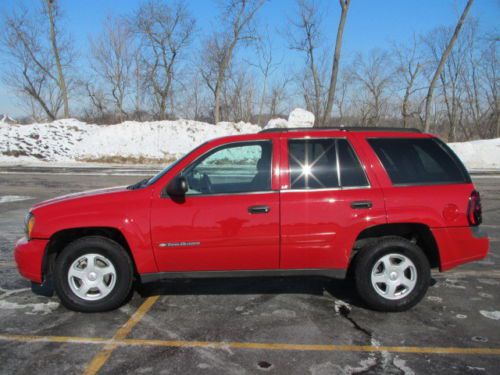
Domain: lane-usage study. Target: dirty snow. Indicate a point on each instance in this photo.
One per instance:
(495, 315)
(36, 308)
(70, 141)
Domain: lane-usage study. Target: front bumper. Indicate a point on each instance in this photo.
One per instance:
(460, 245)
(29, 258)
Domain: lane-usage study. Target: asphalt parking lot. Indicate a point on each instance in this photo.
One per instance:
(243, 326)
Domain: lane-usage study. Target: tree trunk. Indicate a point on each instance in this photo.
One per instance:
(262, 99)
(344, 4)
(55, 51)
(444, 57)
(406, 99)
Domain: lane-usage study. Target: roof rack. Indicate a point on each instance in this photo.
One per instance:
(345, 128)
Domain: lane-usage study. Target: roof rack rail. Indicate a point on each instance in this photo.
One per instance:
(346, 128)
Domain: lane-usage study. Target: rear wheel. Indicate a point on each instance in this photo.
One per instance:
(393, 274)
(93, 274)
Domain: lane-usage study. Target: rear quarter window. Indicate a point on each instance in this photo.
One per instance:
(419, 161)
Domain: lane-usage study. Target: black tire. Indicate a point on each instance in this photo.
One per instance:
(113, 252)
(366, 261)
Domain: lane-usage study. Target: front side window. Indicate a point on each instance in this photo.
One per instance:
(234, 168)
(314, 165)
(418, 161)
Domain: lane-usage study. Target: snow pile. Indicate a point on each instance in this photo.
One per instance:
(54, 141)
(154, 140)
(276, 123)
(298, 118)
(69, 140)
(483, 154)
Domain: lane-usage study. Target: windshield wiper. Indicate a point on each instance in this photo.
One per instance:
(139, 184)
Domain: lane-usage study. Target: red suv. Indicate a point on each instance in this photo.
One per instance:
(385, 204)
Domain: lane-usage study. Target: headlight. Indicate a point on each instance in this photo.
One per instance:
(29, 223)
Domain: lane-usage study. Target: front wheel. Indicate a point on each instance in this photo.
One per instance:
(93, 274)
(392, 275)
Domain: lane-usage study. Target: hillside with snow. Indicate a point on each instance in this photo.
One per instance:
(161, 142)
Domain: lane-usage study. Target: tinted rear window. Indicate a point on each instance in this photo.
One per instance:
(419, 161)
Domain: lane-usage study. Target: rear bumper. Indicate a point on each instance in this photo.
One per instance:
(460, 245)
(29, 258)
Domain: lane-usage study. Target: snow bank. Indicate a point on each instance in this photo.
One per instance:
(154, 140)
(70, 140)
(483, 154)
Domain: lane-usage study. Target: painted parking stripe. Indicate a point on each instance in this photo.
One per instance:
(102, 356)
(252, 345)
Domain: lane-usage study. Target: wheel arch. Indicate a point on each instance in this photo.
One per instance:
(420, 234)
(59, 240)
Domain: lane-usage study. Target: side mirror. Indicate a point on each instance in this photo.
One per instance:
(177, 187)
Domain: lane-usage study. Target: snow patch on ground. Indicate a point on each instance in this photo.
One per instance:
(36, 308)
(13, 198)
(495, 315)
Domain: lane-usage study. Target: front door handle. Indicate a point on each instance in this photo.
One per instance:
(259, 209)
(361, 204)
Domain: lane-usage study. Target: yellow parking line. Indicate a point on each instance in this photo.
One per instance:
(101, 357)
(252, 345)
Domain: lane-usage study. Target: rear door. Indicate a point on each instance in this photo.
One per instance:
(327, 198)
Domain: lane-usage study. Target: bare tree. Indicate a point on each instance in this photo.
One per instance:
(33, 70)
(53, 14)
(409, 67)
(166, 31)
(113, 56)
(278, 93)
(266, 65)
(374, 74)
(489, 77)
(344, 5)
(220, 47)
(307, 41)
(440, 66)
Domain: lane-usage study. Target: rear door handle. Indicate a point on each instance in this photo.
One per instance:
(259, 209)
(361, 204)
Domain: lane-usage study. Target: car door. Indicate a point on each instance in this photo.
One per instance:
(327, 199)
(229, 217)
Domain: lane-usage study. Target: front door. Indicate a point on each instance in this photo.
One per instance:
(229, 217)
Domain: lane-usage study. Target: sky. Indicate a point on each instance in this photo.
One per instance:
(370, 23)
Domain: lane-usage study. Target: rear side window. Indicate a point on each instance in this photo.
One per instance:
(351, 172)
(419, 161)
(324, 163)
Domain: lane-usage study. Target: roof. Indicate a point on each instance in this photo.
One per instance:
(345, 128)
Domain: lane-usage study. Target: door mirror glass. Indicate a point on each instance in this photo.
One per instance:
(177, 187)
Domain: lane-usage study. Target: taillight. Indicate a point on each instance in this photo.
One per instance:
(474, 211)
